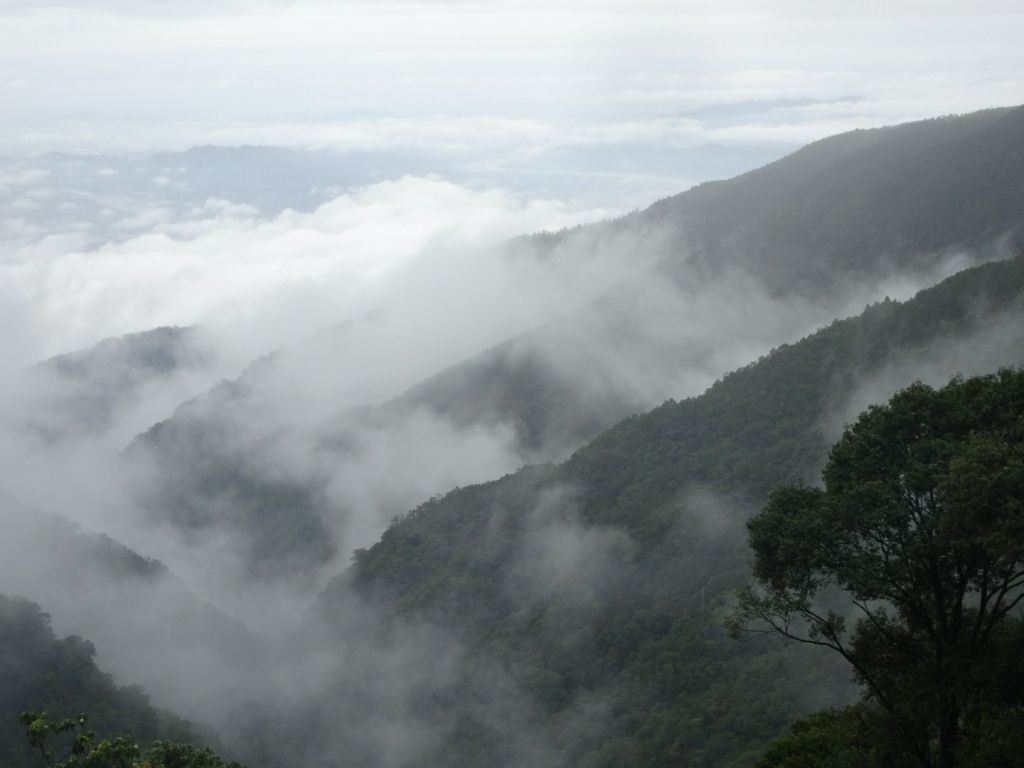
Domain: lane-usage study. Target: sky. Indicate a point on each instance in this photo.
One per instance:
(502, 82)
(564, 112)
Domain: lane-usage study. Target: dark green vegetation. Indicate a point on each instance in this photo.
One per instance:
(828, 739)
(40, 671)
(909, 564)
(150, 628)
(84, 751)
(864, 202)
(847, 211)
(583, 582)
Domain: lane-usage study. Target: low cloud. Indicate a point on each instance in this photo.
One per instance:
(362, 298)
(999, 341)
(565, 562)
(332, 263)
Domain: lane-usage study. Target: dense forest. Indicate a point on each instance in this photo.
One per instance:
(909, 565)
(40, 671)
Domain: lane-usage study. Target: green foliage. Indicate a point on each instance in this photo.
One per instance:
(910, 562)
(42, 672)
(47, 674)
(167, 754)
(828, 739)
(84, 751)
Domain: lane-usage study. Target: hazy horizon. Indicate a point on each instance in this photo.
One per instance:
(640, 97)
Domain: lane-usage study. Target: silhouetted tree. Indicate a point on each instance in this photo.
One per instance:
(910, 563)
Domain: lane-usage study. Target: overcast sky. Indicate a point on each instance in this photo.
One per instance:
(517, 77)
(571, 110)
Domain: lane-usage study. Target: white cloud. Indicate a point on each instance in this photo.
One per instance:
(332, 262)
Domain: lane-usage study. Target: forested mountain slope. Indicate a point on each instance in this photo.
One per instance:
(596, 586)
(861, 202)
(742, 265)
(43, 672)
(147, 626)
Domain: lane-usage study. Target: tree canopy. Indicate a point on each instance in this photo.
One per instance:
(909, 562)
(49, 737)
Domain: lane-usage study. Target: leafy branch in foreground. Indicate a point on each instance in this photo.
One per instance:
(83, 751)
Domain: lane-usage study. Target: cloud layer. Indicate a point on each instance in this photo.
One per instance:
(222, 265)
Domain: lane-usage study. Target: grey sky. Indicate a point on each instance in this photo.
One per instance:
(572, 114)
(516, 79)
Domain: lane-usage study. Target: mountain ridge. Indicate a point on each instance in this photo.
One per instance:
(659, 501)
(557, 386)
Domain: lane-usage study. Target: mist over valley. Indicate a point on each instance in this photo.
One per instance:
(456, 438)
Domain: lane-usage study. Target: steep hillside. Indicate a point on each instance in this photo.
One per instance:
(744, 265)
(596, 586)
(39, 671)
(147, 627)
(861, 202)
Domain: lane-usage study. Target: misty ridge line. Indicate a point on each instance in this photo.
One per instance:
(336, 476)
(712, 517)
(430, 185)
(640, 403)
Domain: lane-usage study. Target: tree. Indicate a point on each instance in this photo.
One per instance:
(828, 739)
(83, 751)
(910, 564)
